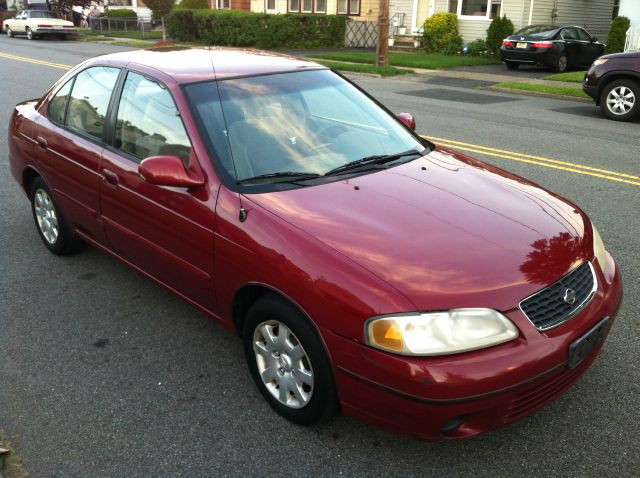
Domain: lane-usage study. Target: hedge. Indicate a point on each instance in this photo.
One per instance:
(261, 30)
(439, 30)
(499, 29)
(617, 35)
(120, 13)
(194, 4)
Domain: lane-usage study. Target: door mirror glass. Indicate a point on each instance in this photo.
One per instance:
(168, 171)
(408, 119)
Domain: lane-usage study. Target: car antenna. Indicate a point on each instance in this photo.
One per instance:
(243, 212)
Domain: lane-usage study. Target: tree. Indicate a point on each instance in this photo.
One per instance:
(63, 7)
(160, 8)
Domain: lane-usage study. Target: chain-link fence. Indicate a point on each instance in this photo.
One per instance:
(111, 25)
(361, 34)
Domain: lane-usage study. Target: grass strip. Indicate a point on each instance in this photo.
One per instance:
(430, 61)
(549, 89)
(573, 77)
(13, 464)
(361, 68)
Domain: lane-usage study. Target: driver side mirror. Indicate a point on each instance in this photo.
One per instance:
(594, 39)
(168, 171)
(408, 119)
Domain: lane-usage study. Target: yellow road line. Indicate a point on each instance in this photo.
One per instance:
(35, 62)
(539, 163)
(486, 150)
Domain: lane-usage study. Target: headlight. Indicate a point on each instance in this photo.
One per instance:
(600, 61)
(599, 250)
(440, 333)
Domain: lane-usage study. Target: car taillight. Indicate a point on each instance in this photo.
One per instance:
(506, 42)
(44, 26)
(543, 44)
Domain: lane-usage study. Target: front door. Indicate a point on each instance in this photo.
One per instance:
(166, 232)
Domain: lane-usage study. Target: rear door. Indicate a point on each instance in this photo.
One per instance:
(69, 141)
(166, 232)
(573, 45)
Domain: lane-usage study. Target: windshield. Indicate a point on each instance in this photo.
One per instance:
(537, 31)
(42, 14)
(309, 122)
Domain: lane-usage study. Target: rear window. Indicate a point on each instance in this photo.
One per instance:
(538, 31)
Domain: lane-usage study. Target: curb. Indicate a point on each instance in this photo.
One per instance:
(536, 93)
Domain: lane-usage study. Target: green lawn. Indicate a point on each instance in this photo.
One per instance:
(432, 61)
(362, 68)
(553, 90)
(573, 77)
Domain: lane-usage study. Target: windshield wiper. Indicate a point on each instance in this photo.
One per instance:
(287, 175)
(368, 160)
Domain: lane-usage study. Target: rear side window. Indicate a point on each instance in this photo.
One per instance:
(89, 100)
(148, 121)
(570, 34)
(58, 104)
(582, 35)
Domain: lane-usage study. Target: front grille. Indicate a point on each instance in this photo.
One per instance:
(548, 308)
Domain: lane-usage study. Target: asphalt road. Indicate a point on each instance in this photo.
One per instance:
(102, 373)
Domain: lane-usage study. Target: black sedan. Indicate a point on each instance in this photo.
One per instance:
(553, 46)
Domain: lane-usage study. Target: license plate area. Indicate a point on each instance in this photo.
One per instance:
(581, 348)
(521, 45)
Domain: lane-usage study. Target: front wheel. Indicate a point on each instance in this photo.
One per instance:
(30, 35)
(512, 65)
(9, 32)
(287, 361)
(619, 100)
(561, 63)
(51, 225)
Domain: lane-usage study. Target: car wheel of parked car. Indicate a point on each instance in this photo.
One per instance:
(512, 65)
(51, 226)
(288, 362)
(30, 35)
(619, 100)
(561, 63)
(9, 32)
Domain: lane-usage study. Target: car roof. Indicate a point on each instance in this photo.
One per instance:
(189, 65)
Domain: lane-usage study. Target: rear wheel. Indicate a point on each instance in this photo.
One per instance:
(620, 100)
(9, 31)
(561, 63)
(512, 65)
(288, 362)
(30, 35)
(50, 223)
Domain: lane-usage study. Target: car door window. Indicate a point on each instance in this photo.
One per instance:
(582, 35)
(89, 100)
(570, 34)
(148, 122)
(58, 104)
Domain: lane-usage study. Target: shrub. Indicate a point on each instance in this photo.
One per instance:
(122, 12)
(261, 30)
(500, 28)
(194, 4)
(617, 35)
(439, 30)
(180, 25)
(476, 47)
(454, 46)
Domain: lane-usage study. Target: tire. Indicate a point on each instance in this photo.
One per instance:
(561, 64)
(512, 65)
(287, 361)
(9, 32)
(620, 100)
(50, 223)
(30, 35)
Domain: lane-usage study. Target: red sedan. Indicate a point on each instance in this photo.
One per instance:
(364, 268)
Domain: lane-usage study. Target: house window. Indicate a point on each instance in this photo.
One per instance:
(270, 6)
(293, 5)
(307, 6)
(478, 9)
(321, 6)
(342, 7)
(354, 7)
(224, 5)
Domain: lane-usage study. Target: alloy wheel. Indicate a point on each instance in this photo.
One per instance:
(46, 216)
(29, 34)
(621, 100)
(283, 364)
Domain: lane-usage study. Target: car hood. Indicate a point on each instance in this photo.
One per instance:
(445, 230)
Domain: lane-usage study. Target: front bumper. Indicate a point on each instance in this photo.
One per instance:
(458, 396)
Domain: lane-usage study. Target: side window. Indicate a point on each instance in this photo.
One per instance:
(148, 121)
(582, 35)
(569, 34)
(58, 104)
(89, 100)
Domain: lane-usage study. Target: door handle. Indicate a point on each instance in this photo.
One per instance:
(43, 143)
(110, 177)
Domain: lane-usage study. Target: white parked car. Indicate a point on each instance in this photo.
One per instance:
(35, 23)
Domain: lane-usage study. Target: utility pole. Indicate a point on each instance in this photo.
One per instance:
(382, 49)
